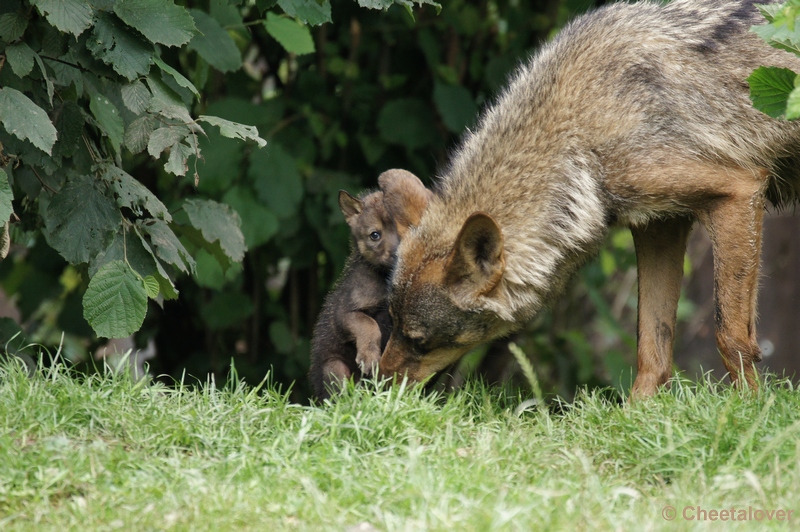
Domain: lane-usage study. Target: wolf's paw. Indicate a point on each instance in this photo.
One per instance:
(368, 361)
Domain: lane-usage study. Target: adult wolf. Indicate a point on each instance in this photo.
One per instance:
(635, 114)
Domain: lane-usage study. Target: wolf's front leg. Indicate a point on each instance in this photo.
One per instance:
(367, 335)
(660, 247)
(734, 224)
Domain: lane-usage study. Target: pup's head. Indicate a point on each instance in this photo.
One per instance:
(378, 220)
(373, 229)
(437, 300)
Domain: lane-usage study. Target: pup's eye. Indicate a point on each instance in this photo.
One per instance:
(375, 236)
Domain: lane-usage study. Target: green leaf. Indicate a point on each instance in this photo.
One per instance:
(115, 301)
(6, 198)
(226, 13)
(5, 241)
(138, 133)
(26, 120)
(263, 5)
(164, 280)
(309, 11)
(70, 16)
(793, 105)
(217, 222)
(455, 105)
(386, 4)
(127, 246)
(220, 154)
(108, 117)
(770, 88)
(179, 78)
(48, 83)
(166, 102)
(406, 121)
(165, 137)
(136, 96)
(782, 32)
(209, 271)
(20, 57)
(151, 286)
(133, 195)
(293, 36)
(54, 43)
(167, 246)
(160, 21)
(66, 75)
(769, 11)
(80, 221)
(116, 45)
(178, 158)
(12, 26)
(214, 44)
(69, 124)
(232, 130)
(276, 180)
(376, 4)
(259, 224)
(168, 290)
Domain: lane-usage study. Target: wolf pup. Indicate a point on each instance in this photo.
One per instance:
(354, 323)
(636, 115)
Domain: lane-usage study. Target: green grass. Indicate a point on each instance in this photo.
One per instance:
(104, 452)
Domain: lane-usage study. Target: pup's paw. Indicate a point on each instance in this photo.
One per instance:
(368, 361)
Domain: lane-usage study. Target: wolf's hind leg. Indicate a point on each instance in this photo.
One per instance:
(734, 223)
(660, 247)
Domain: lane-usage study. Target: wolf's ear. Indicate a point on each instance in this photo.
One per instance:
(405, 197)
(476, 262)
(350, 206)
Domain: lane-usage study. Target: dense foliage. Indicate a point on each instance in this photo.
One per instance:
(84, 84)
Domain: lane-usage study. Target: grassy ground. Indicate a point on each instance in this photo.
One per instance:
(101, 453)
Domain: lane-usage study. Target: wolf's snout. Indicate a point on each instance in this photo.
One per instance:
(394, 360)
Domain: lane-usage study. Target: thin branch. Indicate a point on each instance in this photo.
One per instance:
(282, 124)
(73, 65)
(41, 181)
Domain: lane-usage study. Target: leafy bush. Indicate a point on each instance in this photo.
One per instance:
(776, 91)
(82, 86)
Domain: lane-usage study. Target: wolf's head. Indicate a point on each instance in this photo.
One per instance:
(436, 300)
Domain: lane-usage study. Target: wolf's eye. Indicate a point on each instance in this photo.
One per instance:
(375, 236)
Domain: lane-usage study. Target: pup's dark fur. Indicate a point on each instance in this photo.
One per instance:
(637, 115)
(354, 324)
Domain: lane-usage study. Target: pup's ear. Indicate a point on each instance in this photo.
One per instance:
(476, 263)
(405, 198)
(351, 207)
